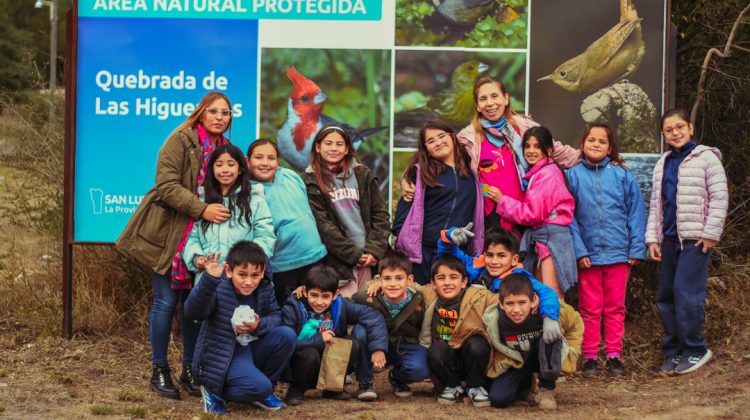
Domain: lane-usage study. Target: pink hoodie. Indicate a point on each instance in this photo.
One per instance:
(547, 199)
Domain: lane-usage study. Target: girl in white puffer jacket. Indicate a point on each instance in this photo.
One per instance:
(689, 202)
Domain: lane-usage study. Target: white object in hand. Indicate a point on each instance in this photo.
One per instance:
(242, 315)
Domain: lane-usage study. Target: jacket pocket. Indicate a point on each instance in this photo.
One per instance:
(156, 225)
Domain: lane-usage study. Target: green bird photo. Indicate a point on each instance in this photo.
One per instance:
(439, 85)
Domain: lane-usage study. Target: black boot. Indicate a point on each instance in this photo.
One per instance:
(187, 380)
(161, 383)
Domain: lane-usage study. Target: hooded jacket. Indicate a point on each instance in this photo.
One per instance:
(220, 237)
(610, 218)
(343, 254)
(504, 358)
(702, 197)
(155, 230)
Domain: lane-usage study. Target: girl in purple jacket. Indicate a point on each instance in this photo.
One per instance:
(546, 210)
(688, 206)
(447, 194)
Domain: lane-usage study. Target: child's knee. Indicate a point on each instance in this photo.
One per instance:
(477, 347)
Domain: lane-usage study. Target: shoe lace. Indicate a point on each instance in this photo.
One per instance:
(478, 392)
(365, 386)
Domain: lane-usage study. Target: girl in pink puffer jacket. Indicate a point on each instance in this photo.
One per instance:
(689, 202)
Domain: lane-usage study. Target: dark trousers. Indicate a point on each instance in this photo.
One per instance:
(160, 325)
(422, 271)
(469, 363)
(681, 296)
(509, 386)
(409, 362)
(306, 363)
(256, 367)
(285, 282)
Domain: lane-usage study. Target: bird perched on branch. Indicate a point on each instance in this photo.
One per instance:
(455, 104)
(614, 56)
(305, 118)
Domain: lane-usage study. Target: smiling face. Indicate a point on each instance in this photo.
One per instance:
(320, 300)
(532, 151)
(448, 283)
(332, 148)
(439, 145)
(263, 163)
(394, 282)
(216, 117)
(518, 307)
(491, 101)
(596, 145)
(226, 171)
(245, 278)
(677, 132)
(498, 260)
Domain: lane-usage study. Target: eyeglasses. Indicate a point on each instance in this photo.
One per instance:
(440, 137)
(224, 112)
(677, 127)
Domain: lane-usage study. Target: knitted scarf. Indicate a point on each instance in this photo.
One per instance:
(497, 132)
(181, 277)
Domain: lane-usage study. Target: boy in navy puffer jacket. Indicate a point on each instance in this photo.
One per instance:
(226, 369)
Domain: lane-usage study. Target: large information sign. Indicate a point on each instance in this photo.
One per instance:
(381, 67)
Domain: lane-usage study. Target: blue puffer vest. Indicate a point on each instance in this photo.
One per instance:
(213, 301)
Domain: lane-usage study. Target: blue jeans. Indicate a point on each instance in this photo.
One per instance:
(160, 327)
(409, 362)
(255, 368)
(681, 296)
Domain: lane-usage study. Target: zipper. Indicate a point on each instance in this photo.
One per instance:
(455, 197)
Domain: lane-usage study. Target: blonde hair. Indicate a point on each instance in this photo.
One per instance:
(194, 118)
(509, 113)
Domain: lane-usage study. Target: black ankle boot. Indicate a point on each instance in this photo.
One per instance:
(161, 383)
(187, 380)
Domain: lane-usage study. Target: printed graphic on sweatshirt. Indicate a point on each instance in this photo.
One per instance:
(345, 198)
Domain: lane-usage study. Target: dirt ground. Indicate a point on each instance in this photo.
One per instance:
(58, 378)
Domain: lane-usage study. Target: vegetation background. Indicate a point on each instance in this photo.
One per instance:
(104, 369)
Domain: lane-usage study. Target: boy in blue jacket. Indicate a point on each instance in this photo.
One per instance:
(329, 314)
(226, 369)
(499, 260)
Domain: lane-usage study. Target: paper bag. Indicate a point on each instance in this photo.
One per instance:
(334, 364)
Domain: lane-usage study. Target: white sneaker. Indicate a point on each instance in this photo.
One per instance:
(479, 396)
(450, 395)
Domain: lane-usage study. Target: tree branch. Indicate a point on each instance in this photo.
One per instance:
(704, 68)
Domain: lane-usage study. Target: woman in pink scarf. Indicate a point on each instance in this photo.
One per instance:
(157, 232)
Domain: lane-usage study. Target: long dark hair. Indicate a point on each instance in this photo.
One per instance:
(546, 143)
(431, 168)
(323, 175)
(614, 150)
(239, 201)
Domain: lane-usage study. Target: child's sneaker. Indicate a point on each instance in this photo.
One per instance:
(670, 363)
(545, 399)
(479, 396)
(400, 390)
(590, 368)
(212, 403)
(692, 363)
(271, 403)
(450, 395)
(614, 367)
(294, 396)
(366, 393)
